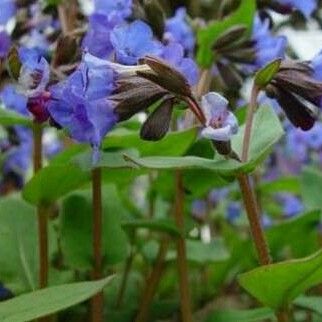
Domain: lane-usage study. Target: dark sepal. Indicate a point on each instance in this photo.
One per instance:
(224, 148)
(298, 113)
(165, 76)
(134, 95)
(229, 75)
(66, 50)
(230, 37)
(155, 17)
(157, 124)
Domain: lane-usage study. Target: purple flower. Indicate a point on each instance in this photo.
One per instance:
(8, 10)
(18, 156)
(97, 39)
(173, 53)
(33, 80)
(221, 124)
(5, 43)
(292, 205)
(305, 6)
(178, 29)
(133, 41)
(199, 209)
(268, 47)
(80, 103)
(34, 73)
(233, 212)
(13, 100)
(117, 8)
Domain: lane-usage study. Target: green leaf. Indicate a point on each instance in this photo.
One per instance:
(207, 36)
(286, 235)
(253, 315)
(47, 301)
(19, 245)
(282, 184)
(313, 303)
(265, 75)
(174, 143)
(266, 132)
(76, 229)
(159, 225)
(53, 182)
(203, 253)
(9, 118)
(311, 181)
(277, 285)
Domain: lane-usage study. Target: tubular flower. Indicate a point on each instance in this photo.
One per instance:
(80, 103)
(221, 124)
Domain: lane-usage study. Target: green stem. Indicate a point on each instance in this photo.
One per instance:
(249, 122)
(97, 301)
(181, 251)
(152, 283)
(41, 214)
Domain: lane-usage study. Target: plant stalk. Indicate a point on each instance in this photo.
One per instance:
(249, 122)
(181, 251)
(97, 301)
(253, 215)
(152, 283)
(41, 215)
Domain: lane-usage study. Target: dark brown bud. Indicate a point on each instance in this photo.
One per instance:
(66, 50)
(231, 36)
(224, 148)
(165, 76)
(155, 17)
(157, 124)
(134, 95)
(297, 111)
(229, 75)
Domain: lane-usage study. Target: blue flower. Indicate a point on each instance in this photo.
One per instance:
(97, 39)
(292, 205)
(80, 103)
(268, 47)
(33, 80)
(13, 100)
(173, 53)
(117, 8)
(221, 124)
(199, 209)
(233, 212)
(178, 29)
(307, 7)
(5, 43)
(134, 41)
(8, 10)
(34, 72)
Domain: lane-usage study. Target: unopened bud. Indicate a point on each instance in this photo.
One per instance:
(155, 17)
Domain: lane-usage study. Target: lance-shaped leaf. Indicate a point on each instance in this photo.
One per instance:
(47, 301)
(265, 75)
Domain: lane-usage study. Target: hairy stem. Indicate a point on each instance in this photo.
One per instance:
(254, 220)
(97, 307)
(181, 251)
(249, 122)
(41, 214)
(152, 283)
